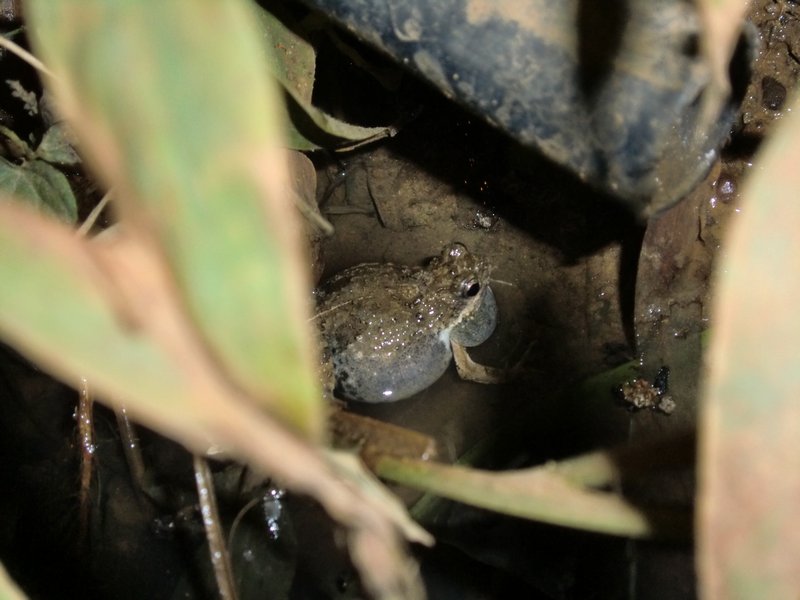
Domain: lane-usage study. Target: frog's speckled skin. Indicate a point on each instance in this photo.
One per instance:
(387, 328)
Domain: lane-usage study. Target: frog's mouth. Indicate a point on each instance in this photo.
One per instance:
(478, 326)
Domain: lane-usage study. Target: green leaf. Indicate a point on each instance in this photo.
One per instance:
(8, 589)
(42, 186)
(196, 318)
(56, 146)
(538, 494)
(292, 61)
(187, 133)
(80, 335)
(117, 325)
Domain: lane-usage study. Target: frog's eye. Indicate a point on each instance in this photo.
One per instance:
(470, 288)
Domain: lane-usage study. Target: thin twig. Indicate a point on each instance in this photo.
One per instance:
(331, 309)
(87, 225)
(131, 447)
(220, 559)
(84, 415)
(23, 54)
(388, 132)
(314, 217)
(240, 517)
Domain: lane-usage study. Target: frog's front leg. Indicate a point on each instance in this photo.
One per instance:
(469, 370)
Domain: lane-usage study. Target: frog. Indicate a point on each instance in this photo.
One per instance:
(389, 331)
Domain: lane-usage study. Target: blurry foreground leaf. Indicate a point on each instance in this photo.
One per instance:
(117, 324)
(187, 133)
(8, 589)
(195, 316)
(40, 185)
(750, 422)
(292, 61)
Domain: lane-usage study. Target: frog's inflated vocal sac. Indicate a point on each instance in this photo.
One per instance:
(387, 329)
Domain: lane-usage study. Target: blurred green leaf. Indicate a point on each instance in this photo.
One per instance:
(750, 420)
(8, 589)
(172, 106)
(56, 146)
(292, 61)
(196, 316)
(83, 334)
(41, 185)
(117, 324)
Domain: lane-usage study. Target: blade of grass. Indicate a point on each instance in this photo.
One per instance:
(749, 544)
(540, 495)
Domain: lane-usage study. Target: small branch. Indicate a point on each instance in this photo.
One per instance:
(131, 447)
(84, 416)
(220, 559)
(23, 54)
(388, 132)
(87, 225)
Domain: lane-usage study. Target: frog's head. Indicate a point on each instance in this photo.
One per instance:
(458, 288)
